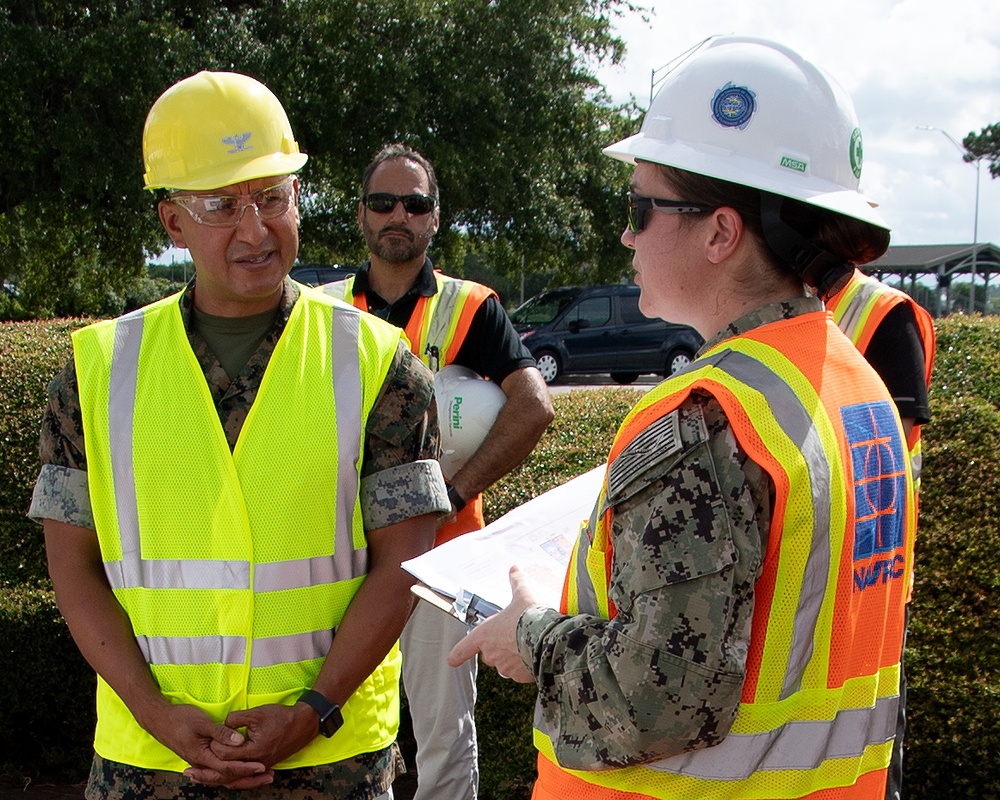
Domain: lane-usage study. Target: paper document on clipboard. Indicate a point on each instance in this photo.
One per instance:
(468, 576)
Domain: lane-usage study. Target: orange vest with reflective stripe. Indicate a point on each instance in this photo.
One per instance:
(436, 331)
(818, 709)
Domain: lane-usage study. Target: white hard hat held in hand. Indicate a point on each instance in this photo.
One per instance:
(467, 408)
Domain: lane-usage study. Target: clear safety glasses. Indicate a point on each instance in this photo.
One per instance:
(226, 210)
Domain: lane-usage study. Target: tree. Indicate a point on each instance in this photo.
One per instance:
(500, 95)
(985, 144)
(77, 80)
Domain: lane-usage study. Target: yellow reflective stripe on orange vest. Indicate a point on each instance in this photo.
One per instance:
(859, 308)
(815, 715)
(234, 568)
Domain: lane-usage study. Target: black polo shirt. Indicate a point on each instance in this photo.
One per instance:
(896, 353)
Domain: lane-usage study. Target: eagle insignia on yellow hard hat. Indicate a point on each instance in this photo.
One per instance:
(238, 141)
(733, 106)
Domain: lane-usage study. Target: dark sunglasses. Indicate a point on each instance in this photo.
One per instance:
(639, 205)
(384, 203)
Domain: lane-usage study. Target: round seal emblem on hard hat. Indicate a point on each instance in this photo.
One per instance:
(857, 153)
(733, 106)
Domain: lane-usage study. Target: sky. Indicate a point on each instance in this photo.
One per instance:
(906, 64)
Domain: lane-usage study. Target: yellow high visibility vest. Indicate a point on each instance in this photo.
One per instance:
(818, 709)
(235, 568)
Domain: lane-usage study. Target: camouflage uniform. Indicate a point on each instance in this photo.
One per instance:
(689, 530)
(402, 428)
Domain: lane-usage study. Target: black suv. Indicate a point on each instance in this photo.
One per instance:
(600, 329)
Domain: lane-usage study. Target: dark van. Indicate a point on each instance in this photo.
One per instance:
(600, 329)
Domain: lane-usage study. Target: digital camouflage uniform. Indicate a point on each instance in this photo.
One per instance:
(402, 428)
(679, 644)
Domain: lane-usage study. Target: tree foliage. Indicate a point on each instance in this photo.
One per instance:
(986, 145)
(500, 95)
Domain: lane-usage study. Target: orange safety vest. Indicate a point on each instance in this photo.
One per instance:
(818, 709)
(436, 331)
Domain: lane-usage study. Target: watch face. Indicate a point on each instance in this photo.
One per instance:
(331, 721)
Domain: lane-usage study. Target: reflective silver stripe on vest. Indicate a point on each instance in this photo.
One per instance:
(277, 576)
(348, 562)
(193, 649)
(178, 574)
(121, 414)
(850, 319)
(799, 745)
(797, 423)
(440, 324)
(290, 649)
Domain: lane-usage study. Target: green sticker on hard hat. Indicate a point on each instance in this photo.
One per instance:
(794, 163)
(856, 152)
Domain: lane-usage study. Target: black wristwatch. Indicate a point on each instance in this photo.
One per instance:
(456, 499)
(330, 718)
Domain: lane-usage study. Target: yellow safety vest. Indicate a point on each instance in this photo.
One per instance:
(818, 710)
(234, 568)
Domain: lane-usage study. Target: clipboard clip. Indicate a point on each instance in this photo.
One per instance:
(473, 609)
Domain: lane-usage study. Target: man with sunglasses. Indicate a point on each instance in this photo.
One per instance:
(212, 492)
(447, 321)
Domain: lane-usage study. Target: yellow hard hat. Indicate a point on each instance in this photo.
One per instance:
(214, 129)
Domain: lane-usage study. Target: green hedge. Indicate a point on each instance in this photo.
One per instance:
(953, 653)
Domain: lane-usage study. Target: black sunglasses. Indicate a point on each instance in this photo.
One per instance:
(639, 205)
(384, 203)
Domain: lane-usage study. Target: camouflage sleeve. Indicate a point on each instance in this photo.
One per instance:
(61, 439)
(400, 474)
(61, 491)
(665, 675)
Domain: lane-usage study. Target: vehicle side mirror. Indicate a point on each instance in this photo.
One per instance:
(577, 325)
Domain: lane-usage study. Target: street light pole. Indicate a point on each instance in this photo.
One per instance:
(975, 161)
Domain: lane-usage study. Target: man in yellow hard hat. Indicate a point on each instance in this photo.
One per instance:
(231, 477)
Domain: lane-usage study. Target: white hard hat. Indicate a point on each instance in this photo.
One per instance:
(467, 408)
(754, 112)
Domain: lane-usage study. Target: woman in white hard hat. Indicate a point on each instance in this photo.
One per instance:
(733, 614)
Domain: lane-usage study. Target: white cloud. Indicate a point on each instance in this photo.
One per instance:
(906, 64)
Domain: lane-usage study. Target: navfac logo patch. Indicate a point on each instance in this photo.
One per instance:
(878, 463)
(238, 141)
(733, 106)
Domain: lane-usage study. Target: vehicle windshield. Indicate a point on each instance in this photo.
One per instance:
(543, 308)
